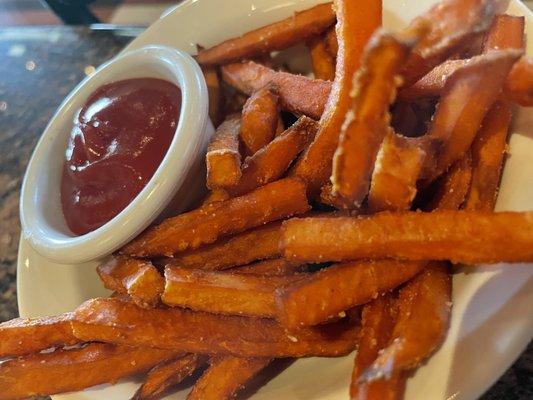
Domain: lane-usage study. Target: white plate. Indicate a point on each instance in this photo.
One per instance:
(492, 320)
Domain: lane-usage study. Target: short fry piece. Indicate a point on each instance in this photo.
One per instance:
(76, 369)
(398, 166)
(519, 84)
(205, 225)
(259, 119)
(30, 335)
(297, 93)
(356, 22)
(275, 267)
(223, 159)
(252, 245)
(270, 162)
(458, 236)
(321, 59)
(330, 291)
(506, 32)
(277, 36)
(374, 88)
(165, 375)
(225, 377)
(114, 321)
(223, 292)
(137, 278)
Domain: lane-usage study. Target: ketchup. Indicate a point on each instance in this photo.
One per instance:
(119, 138)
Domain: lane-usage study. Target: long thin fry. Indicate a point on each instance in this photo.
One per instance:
(259, 119)
(205, 225)
(24, 336)
(215, 195)
(356, 22)
(271, 162)
(297, 93)
(214, 91)
(63, 371)
(321, 59)
(398, 166)
(225, 377)
(223, 159)
(330, 291)
(223, 292)
(458, 236)
(277, 36)
(331, 42)
(165, 375)
(275, 267)
(113, 321)
(137, 278)
(252, 245)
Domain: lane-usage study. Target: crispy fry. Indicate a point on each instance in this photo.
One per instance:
(113, 321)
(423, 318)
(225, 377)
(137, 278)
(297, 94)
(214, 196)
(488, 151)
(76, 369)
(165, 375)
(29, 335)
(215, 92)
(452, 187)
(377, 322)
(205, 225)
(269, 163)
(223, 159)
(398, 166)
(458, 236)
(519, 84)
(356, 22)
(331, 42)
(275, 267)
(472, 89)
(321, 59)
(252, 245)
(326, 293)
(259, 119)
(277, 36)
(223, 292)
(452, 23)
(367, 123)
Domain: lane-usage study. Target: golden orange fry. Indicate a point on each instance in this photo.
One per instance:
(275, 267)
(331, 42)
(214, 91)
(205, 225)
(519, 84)
(277, 36)
(322, 61)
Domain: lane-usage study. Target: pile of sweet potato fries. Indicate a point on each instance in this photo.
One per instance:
(390, 157)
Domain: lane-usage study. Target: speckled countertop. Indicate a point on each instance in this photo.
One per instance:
(38, 67)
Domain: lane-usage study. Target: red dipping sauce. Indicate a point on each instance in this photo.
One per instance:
(119, 138)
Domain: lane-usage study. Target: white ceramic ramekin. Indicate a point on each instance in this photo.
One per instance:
(178, 181)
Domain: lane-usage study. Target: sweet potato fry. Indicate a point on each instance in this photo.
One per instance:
(225, 377)
(252, 245)
(205, 225)
(330, 291)
(506, 32)
(223, 159)
(223, 292)
(277, 36)
(365, 128)
(458, 236)
(519, 84)
(398, 166)
(214, 196)
(356, 22)
(377, 323)
(321, 59)
(275, 267)
(259, 119)
(452, 187)
(30, 335)
(137, 278)
(488, 151)
(331, 42)
(165, 375)
(270, 162)
(423, 317)
(113, 321)
(215, 92)
(63, 371)
(472, 90)
(297, 94)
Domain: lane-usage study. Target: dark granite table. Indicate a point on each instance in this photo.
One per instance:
(38, 67)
